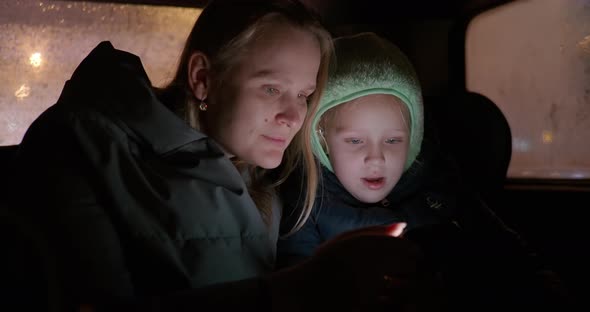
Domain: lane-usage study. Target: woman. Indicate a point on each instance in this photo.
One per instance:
(139, 203)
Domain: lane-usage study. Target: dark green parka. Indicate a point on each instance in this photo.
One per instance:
(133, 200)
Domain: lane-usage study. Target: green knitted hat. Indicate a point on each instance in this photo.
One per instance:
(368, 64)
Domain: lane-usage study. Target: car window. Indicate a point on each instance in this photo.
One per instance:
(44, 41)
(532, 58)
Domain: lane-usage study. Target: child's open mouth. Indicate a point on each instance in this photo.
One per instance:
(374, 183)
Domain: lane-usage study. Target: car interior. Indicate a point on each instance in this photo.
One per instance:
(506, 88)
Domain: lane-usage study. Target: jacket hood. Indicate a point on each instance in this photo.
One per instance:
(115, 83)
(367, 64)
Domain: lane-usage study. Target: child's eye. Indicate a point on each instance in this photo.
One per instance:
(393, 140)
(354, 141)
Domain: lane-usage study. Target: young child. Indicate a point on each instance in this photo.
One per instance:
(377, 169)
(368, 133)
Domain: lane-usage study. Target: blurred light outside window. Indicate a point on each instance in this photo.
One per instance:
(44, 41)
(532, 58)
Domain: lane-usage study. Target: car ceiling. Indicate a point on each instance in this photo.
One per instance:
(362, 11)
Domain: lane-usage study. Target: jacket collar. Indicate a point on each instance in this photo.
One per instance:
(115, 83)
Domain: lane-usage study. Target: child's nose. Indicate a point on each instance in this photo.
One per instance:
(375, 156)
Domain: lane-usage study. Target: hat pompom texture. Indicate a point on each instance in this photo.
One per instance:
(367, 64)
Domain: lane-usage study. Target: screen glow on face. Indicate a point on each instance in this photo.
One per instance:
(368, 140)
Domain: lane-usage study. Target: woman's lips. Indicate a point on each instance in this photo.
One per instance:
(276, 140)
(374, 183)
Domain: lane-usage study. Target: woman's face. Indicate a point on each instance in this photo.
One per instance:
(262, 102)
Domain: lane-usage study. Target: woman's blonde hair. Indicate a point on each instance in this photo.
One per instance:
(222, 32)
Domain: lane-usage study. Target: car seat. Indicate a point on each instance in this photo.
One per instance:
(475, 132)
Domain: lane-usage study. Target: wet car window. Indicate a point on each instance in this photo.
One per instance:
(532, 58)
(44, 41)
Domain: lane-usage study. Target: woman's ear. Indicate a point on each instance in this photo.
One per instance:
(198, 75)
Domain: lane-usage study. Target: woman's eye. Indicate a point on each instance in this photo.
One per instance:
(393, 140)
(272, 91)
(304, 98)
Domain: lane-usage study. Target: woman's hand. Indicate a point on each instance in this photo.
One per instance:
(364, 270)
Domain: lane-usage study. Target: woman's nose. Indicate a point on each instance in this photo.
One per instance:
(291, 113)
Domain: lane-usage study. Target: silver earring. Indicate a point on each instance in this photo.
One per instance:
(203, 106)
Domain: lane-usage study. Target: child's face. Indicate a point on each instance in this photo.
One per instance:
(263, 103)
(368, 141)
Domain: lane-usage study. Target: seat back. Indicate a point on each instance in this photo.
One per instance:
(475, 132)
(24, 285)
(7, 156)
(27, 281)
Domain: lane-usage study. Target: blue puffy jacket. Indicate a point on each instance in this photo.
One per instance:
(480, 263)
